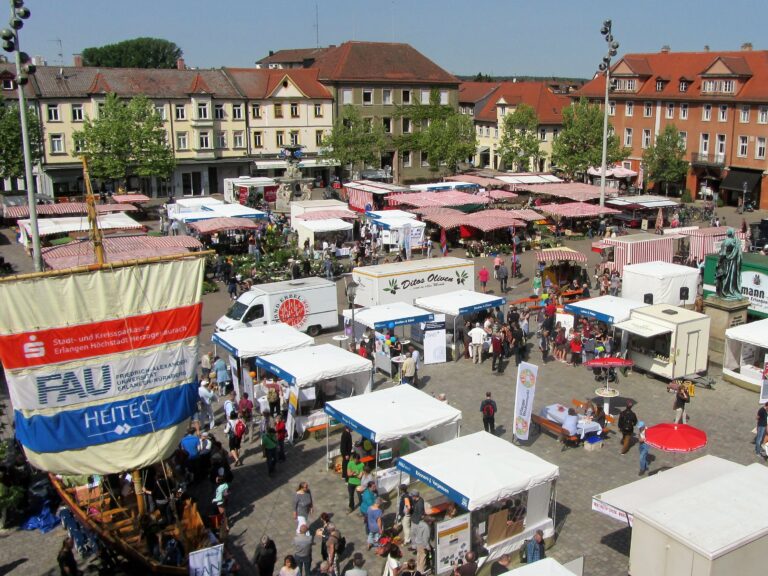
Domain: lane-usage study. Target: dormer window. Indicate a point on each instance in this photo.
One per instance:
(659, 85)
(718, 86)
(626, 85)
(684, 85)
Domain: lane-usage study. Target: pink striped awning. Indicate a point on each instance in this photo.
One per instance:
(498, 195)
(487, 220)
(576, 210)
(526, 214)
(640, 248)
(576, 191)
(560, 254)
(65, 209)
(212, 225)
(444, 217)
(445, 199)
(326, 214)
(131, 198)
(703, 240)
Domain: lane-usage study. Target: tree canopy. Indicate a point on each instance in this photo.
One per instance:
(127, 138)
(135, 53)
(354, 141)
(580, 142)
(665, 159)
(11, 148)
(520, 140)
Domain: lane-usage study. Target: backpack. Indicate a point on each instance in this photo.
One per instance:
(524, 552)
(341, 547)
(239, 429)
(488, 410)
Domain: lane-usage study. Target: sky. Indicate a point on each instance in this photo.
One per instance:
(496, 37)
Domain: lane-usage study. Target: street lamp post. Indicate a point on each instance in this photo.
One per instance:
(605, 67)
(24, 67)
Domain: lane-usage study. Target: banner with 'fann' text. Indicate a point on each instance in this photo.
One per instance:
(524, 391)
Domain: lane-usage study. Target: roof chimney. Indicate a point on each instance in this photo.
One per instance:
(271, 52)
(180, 64)
(747, 47)
(77, 60)
(706, 47)
(665, 49)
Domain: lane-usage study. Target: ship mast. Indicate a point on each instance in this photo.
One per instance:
(95, 232)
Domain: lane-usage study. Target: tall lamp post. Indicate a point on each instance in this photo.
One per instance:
(24, 68)
(351, 290)
(605, 67)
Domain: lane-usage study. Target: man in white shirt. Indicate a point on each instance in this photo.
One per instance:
(416, 355)
(477, 334)
(207, 397)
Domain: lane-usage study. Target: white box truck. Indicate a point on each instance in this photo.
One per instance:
(406, 281)
(308, 304)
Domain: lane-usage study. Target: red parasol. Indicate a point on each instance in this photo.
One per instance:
(609, 362)
(675, 437)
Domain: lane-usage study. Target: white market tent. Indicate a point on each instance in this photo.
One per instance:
(76, 224)
(193, 215)
(262, 340)
(621, 503)
(307, 366)
(662, 279)
(390, 214)
(744, 353)
(544, 567)
(389, 315)
(716, 528)
(195, 204)
(235, 211)
(608, 309)
(308, 229)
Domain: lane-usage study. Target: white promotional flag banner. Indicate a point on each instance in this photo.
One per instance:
(764, 387)
(524, 391)
(206, 562)
(235, 376)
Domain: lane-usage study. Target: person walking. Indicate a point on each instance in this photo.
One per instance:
(534, 548)
(488, 409)
(302, 550)
(518, 344)
(222, 376)
(503, 275)
(281, 434)
(420, 540)
(408, 370)
(220, 501)
(642, 447)
(355, 470)
(404, 508)
(302, 505)
(269, 442)
(345, 448)
(762, 424)
(482, 276)
(207, 397)
(682, 397)
(477, 335)
(289, 567)
(627, 423)
(496, 352)
(375, 525)
(265, 556)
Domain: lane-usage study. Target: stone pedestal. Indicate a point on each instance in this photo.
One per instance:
(724, 314)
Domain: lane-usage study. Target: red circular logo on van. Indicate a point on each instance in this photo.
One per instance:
(292, 311)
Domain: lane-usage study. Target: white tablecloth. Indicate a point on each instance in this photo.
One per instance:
(558, 412)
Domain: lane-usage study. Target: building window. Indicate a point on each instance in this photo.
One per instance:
(743, 146)
(406, 159)
(53, 113)
(543, 134)
(554, 134)
(318, 110)
(256, 111)
(684, 139)
(627, 136)
(706, 112)
(367, 96)
(762, 115)
(704, 144)
(670, 110)
(648, 109)
(495, 132)
(502, 110)
(424, 159)
(479, 130)
(718, 86)
(386, 96)
(294, 110)
(444, 97)
(406, 96)
(238, 140)
(346, 96)
(659, 85)
(204, 141)
(180, 112)
(319, 137)
(159, 110)
(280, 138)
(744, 115)
(57, 143)
(8, 84)
(257, 141)
(684, 85)
(611, 108)
(760, 148)
(406, 125)
(722, 115)
(294, 138)
(77, 112)
(425, 99)
(721, 146)
(487, 130)
(683, 111)
(646, 138)
(221, 140)
(629, 108)
(218, 111)
(387, 122)
(728, 86)
(181, 141)
(237, 111)
(202, 111)
(278, 109)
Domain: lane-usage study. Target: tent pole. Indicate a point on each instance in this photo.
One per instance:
(327, 440)
(455, 342)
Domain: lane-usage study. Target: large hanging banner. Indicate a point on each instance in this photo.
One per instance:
(764, 387)
(524, 391)
(452, 542)
(235, 372)
(434, 340)
(206, 562)
(101, 366)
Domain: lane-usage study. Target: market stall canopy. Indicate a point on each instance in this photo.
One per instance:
(478, 469)
(530, 179)
(755, 333)
(390, 214)
(483, 181)
(389, 315)
(65, 209)
(306, 366)
(642, 202)
(576, 191)
(392, 413)
(219, 224)
(493, 194)
(642, 328)
(559, 255)
(621, 503)
(375, 187)
(460, 302)
(131, 198)
(543, 567)
(117, 249)
(195, 203)
(526, 214)
(444, 217)
(576, 210)
(612, 172)
(327, 215)
(262, 340)
(447, 198)
(193, 215)
(445, 186)
(235, 211)
(494, 219)
(51, 226)
(399, 223)
(703, 240)
(608, 309)
(326, 225)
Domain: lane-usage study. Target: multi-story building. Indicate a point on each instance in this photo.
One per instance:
(293, 58)
(718, 102)
(489, 103)
(218, 121)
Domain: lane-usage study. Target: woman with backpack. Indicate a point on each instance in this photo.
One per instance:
(235, 424)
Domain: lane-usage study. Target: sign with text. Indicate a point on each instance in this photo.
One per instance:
(524, 392)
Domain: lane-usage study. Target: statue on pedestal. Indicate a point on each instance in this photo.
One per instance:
(728, 271)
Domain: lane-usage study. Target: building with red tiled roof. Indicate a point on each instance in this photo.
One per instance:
(718, 101)
(292, 58)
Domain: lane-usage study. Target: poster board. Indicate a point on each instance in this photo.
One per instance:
(452, 541)
(235, 373)
(566, 321)
(434, 340)
(764, 387)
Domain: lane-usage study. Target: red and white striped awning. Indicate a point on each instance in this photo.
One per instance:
(65, 209)
(703, 240)
(326, 214)
(131, 198)
(444, 199)
(498, 195)
(444, 217)
(487, 220)
(560, 254)
(526, 214)
(576, 191)
(576, 210)
(212, 225)
(640, 248)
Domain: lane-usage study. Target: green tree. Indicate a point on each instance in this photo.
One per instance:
(665, 159)
(447, 137)
(135, 53)
(520, 140)
(355, 141)
(11, 148)
(126, 139)
(580, 143)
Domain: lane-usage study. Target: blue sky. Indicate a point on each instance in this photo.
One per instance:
(503, 37)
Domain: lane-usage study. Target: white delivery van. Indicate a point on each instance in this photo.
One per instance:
(307, 304)
(406, 281)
